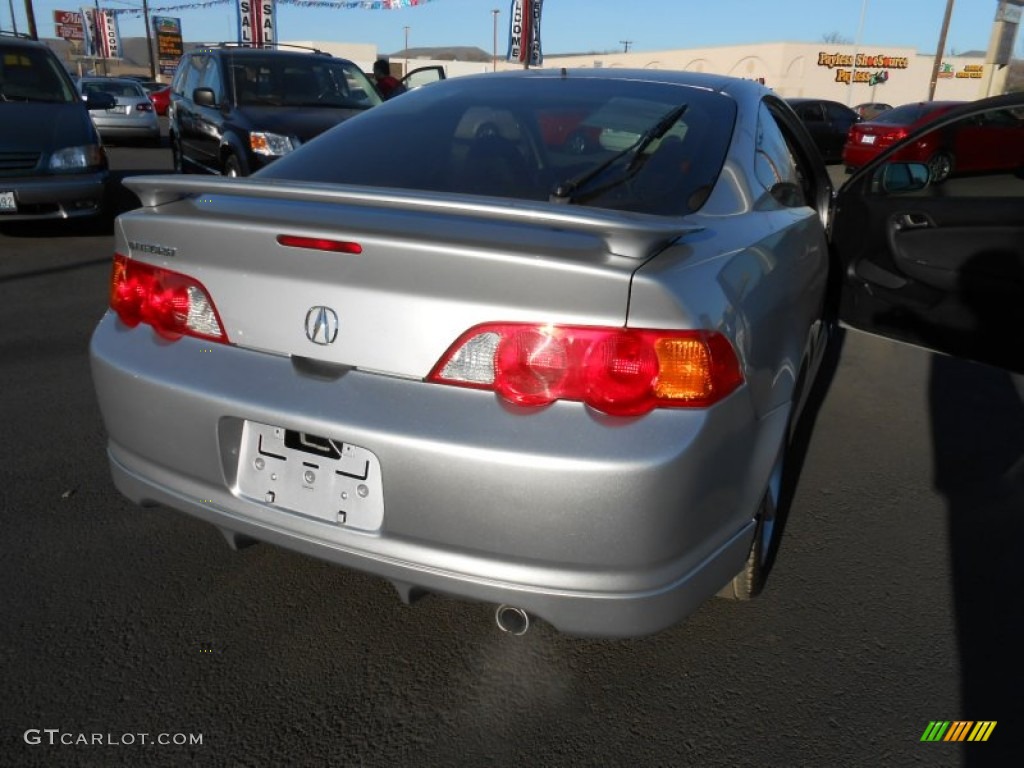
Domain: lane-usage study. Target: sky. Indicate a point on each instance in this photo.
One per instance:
(574, 26)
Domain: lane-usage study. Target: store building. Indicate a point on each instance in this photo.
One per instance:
(844, 73)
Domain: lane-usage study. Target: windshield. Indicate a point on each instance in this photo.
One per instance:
(299, 81)
(32, 74)
(529, 138)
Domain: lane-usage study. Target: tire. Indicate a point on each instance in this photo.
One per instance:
(176, 158)
(749, 582)
(940, 166)
(232, 168)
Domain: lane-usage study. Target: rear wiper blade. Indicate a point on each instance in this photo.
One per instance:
(566, 191)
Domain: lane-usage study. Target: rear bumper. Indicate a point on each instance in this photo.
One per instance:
(601, 527)
(142, 131)
(56, 197)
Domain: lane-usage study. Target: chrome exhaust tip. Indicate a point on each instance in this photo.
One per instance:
(512, 620)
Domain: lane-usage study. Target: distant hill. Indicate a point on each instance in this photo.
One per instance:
(445, 53)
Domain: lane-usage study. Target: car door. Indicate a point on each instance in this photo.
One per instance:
(422, 76)
(937, 264)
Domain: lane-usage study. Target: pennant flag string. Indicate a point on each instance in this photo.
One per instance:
(366, 5)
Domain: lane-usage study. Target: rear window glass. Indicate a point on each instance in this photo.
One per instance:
(525, 137)
(905, 115)
(116, 89)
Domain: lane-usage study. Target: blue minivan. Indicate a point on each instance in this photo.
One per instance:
(52, 163)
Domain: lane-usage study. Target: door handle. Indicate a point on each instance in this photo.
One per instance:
(912, 221)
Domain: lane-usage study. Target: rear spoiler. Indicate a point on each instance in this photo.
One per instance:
(634, 235)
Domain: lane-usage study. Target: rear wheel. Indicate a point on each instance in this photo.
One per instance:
(750, 581)
(940, 166)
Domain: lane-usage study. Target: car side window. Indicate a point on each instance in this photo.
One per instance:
(180, 75)
(809, 112)
(837, 113)
(193, 75)
(775, 164)
(210, 78)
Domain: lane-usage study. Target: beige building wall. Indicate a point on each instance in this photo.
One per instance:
(822, 70)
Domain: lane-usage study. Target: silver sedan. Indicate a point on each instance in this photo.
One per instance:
(539, 339)
(132, 118)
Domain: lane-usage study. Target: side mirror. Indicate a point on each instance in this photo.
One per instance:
(895, 178)
(204, 97)
(99, 100)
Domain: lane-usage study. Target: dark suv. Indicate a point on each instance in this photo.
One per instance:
(52, 164)
(235, 109)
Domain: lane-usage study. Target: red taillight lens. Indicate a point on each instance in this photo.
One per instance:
(619, 371)
(144, 106)
(175, 305)
(892, 136)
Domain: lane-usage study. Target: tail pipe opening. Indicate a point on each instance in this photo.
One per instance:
(513, 620)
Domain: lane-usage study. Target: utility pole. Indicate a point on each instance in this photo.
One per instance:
(406, 70)
(494, 49)
(625, 45)
(31, 15)
(940, 51)
(149, 40)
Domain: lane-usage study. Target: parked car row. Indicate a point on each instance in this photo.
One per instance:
(856, 136)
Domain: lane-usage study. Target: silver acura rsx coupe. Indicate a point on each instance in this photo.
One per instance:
(538, 339)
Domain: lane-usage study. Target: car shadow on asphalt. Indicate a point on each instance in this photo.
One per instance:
(977, 416)
(801, 437)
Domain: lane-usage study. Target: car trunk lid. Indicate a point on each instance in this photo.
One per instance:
(427, 268)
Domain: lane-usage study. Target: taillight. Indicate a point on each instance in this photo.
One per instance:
(619, 371)
(175, 305)
(144, 106)
(892, 136)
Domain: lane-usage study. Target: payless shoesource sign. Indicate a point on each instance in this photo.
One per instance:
(870, 68)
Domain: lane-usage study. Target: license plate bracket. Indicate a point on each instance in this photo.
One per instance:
(318, 477)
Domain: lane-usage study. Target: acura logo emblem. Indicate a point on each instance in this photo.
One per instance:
(321, 325)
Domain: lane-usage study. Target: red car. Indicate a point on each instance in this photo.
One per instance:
(160, 95)
(991, 143)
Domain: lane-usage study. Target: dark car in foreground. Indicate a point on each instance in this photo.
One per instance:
(828, 122)
(235, 109)
(52, 163)
(440, 346)
(993, 141)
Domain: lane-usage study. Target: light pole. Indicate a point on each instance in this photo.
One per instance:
(856, 52)
(938, 54)
(406, 70)
(494, 49)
